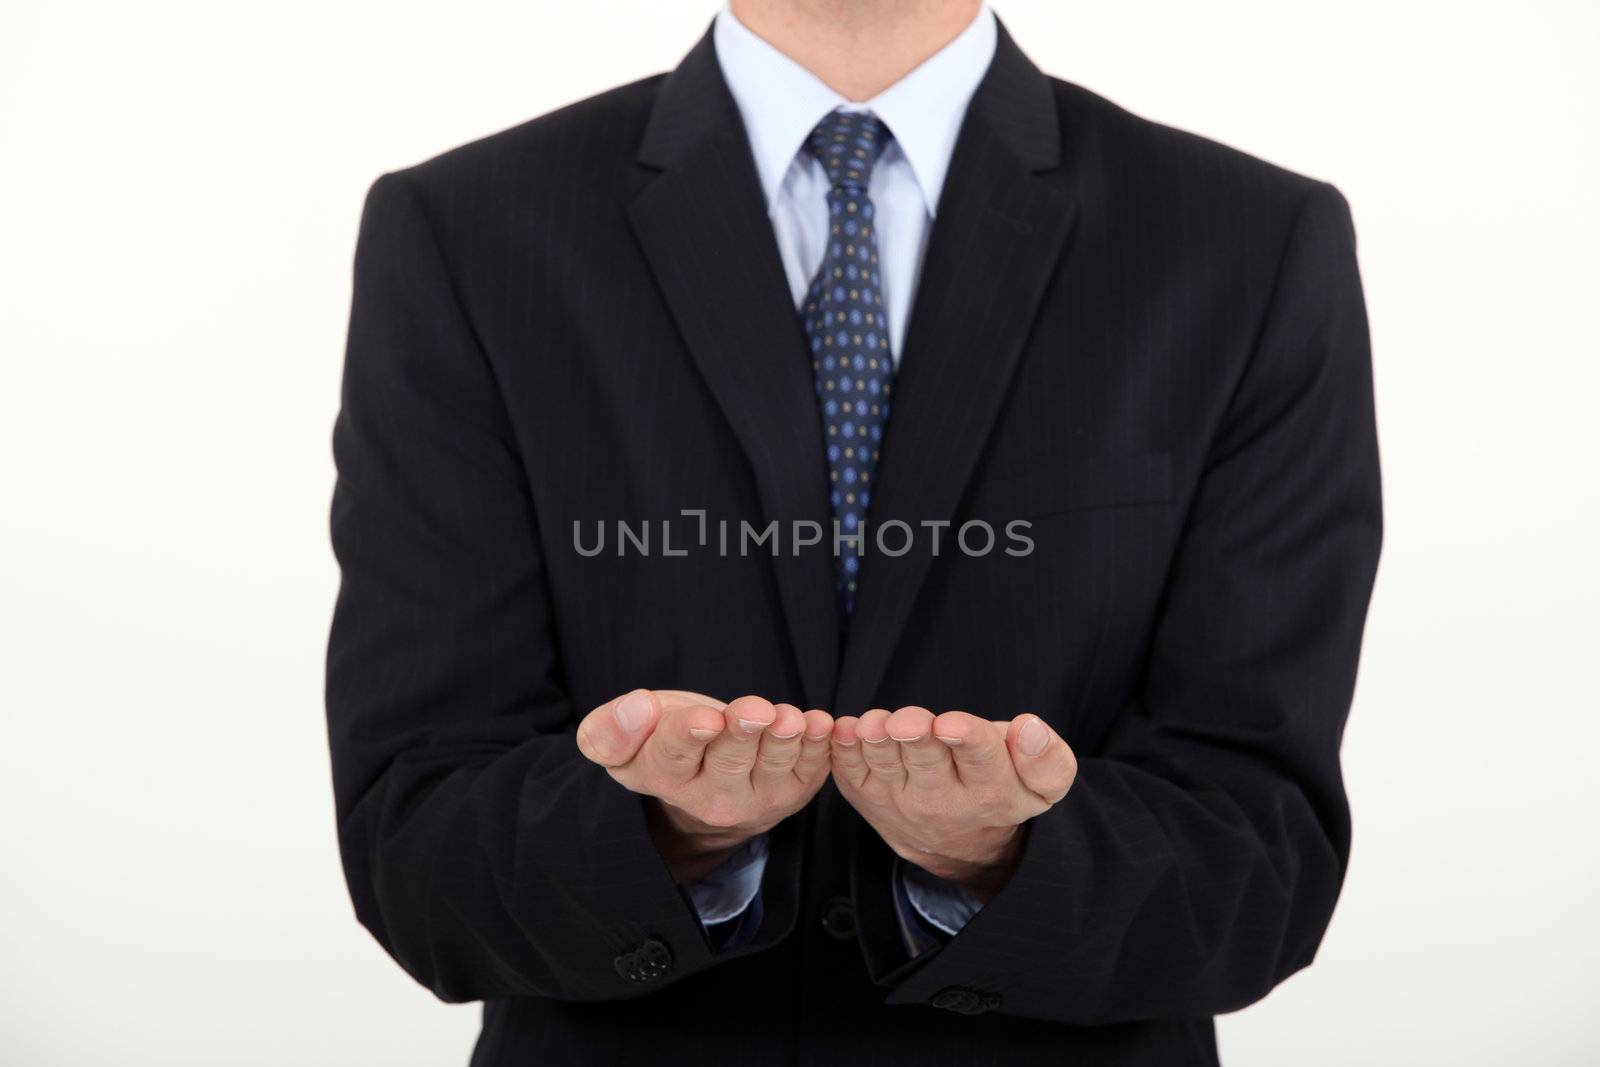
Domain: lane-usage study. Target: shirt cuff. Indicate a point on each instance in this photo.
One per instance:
(939, 903)
(727, 890)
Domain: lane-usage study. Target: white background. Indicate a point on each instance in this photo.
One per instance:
(179, 190)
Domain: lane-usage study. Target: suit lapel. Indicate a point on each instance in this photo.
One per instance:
(996, 239)
(704, 229)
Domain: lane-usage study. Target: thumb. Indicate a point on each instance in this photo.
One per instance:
(682, 698)
(611, 734)
(1043, 761)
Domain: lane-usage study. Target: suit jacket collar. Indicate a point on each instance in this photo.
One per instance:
(703, 226)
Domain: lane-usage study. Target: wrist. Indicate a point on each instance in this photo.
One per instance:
(983, 872)
(690, 848)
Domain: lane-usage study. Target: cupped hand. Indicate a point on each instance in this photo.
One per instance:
(951, 793)
(719, 773)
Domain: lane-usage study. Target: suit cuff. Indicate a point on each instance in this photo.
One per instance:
(930, 910)
(727, 891)
(946, 905)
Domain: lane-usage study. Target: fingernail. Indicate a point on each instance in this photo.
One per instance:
(948, 740)
(909, 740)
(701, 734)
(842, 743)
(876, 740)
(633, 711)
(750, 726)
(786, 737)
(1034, 738)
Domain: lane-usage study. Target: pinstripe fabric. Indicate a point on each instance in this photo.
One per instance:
(1149, 346)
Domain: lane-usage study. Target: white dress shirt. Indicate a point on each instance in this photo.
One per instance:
(780, 103)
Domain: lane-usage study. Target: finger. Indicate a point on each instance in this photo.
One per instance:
(813, 762)
(927, 762)
(1044, 761)
(979, 748)
(849, 765)
(779, 747)
(673, 753)
(881, 753)
(732, 755)
(611, 734)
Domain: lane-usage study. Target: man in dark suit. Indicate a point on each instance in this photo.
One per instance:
(1008, 457)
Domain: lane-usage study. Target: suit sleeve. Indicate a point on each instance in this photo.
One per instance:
(1196, 860)
(485, 854)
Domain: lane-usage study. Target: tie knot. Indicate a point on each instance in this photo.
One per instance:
(848, 144)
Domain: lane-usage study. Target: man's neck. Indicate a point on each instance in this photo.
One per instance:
(858, 48)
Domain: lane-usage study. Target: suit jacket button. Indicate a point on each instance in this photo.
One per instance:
(839, 919)
(646, 963)
(964, 1001)
(655, 959)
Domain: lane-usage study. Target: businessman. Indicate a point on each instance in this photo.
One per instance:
(852, 550)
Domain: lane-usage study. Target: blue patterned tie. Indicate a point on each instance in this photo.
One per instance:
(847, 325)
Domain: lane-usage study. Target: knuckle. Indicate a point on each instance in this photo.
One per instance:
(775, 761)
(676, 757)
(981, 756)
(886, 763)
(727, 763)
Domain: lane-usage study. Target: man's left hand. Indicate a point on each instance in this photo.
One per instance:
(952, 793)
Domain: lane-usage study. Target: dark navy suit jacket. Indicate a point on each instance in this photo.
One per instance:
(1149, 346)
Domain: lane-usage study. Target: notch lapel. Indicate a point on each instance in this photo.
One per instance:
(704, 229)
(996, 240)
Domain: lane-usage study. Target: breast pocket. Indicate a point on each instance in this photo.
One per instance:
(1074, 485)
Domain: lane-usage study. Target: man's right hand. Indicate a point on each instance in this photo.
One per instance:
(719, 774)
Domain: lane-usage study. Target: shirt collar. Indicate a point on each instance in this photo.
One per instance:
(780, 101)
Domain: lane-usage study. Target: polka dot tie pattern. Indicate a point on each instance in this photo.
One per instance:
(846, 323)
